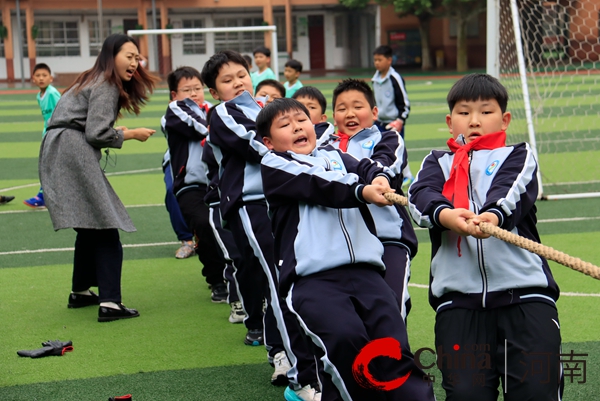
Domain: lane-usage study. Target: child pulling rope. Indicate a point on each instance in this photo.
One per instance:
(527, 244)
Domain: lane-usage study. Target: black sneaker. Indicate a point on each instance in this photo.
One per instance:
(254, 337)
(219, 293)
(5, 199)
(80, 301)
(109, 314)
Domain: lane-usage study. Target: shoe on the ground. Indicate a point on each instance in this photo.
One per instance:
(110, 314)
(5, 199)
(254, 337)
(80, 301)
(406, 183)
(237, 314)
(281, 363)
(121, 398)
(219, 293)
(37, 202)
(306, 393)
(186, 250)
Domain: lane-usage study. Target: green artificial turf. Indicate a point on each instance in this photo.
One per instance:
(182, 347)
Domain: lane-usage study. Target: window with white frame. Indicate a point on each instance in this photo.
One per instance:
(243, 42)
(194, 43)
(96, 39)
(58, 38)
(281, 32)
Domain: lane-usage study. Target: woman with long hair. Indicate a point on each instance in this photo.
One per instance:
(78, 195)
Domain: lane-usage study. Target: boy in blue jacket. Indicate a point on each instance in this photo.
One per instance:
(243, 207)
(488, 295)
(329, 259)
(354, 113)
(184, 125)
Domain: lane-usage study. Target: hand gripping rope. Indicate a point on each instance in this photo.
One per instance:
(527, 244)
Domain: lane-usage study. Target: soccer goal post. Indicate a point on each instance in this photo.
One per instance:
(263, 28)
(547, 55)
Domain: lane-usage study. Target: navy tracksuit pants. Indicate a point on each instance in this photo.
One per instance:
(344, 309)
(257, 279)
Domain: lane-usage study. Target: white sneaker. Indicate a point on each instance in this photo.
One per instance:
(282, 365)
(237, 314)
(306, 393)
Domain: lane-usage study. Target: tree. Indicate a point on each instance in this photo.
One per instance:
(463, 11)
(424, 10)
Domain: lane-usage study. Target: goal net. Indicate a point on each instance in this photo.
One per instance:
(548, 56)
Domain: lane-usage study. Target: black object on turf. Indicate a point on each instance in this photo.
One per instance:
(50, 348)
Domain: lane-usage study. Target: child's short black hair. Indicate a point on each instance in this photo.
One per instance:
(312, 93)
(384, 50)
(41, 66)
(294, 64)
(357, 85)
(211, 68)
(262, 50)
(473, 87)
(248, 60)
(265, 118)
(180, 73)
(271, 82)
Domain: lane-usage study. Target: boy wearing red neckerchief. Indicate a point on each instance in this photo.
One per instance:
(496, 316)
(355, 113)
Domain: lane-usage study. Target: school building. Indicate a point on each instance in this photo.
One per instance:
(322, 34)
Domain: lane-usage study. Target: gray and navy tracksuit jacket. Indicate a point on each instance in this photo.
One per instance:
(392, 223)
(481, 274)
(184, 125)
(324, 130)
(238, 151)
(318, 214)
(390, 96)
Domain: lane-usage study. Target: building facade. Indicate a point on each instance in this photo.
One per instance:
(322, 34)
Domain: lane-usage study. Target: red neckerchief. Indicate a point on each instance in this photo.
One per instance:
(343, 140)
(205, 107)
(456, 188)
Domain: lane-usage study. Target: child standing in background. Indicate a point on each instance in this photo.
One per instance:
(391, 99)
(47, 98)
(262, 59)
(292, 71)
(316, 104)
(268, 90)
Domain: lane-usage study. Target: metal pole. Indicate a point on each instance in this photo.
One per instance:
(155, 46)
(100, 25)
(526, 99)
(20, 38)
(492, 39)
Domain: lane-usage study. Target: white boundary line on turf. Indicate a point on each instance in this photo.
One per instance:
(37, 184)
(71, 249)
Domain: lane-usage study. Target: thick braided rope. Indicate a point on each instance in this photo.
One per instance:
(395, 198)
(527, 244)
(542, 250)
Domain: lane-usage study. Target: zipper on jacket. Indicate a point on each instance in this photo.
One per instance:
(480, 261)
(347, 236)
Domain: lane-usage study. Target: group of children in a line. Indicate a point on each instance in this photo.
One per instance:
(293, 215)
(317, 240)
